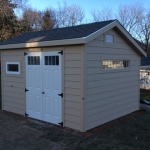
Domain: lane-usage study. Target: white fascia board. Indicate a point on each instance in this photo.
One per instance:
(44, 43)
(100, 31)
(131, 39)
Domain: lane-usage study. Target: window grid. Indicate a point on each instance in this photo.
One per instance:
(115, 64)
(33, 60)
(13, 67)
(52, 60)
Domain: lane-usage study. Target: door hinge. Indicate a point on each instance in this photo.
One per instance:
(25, 53)
(61, 124)
(61, 95)
(26, 90)
(61, 52)
(26, 115)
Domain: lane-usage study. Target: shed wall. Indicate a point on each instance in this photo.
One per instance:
(73, 87)
(13, 86)
(110, 94)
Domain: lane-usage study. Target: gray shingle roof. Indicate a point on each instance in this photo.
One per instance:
(58, 34)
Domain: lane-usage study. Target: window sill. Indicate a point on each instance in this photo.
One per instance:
(115, 70)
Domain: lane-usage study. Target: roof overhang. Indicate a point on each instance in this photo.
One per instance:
(83, 40)
(43, 44)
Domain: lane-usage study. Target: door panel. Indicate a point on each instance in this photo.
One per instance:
(34, 85)
(43, 75)
(52, 87)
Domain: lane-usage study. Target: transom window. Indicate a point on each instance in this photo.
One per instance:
(51, 60)
(115, 64)
(109, 38)
(33, 60)
(12, 68)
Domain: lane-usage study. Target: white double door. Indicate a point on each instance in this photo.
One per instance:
(43, 82)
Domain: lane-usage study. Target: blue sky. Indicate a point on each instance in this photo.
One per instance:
(87, 5)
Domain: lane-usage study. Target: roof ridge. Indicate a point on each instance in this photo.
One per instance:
(72, 26)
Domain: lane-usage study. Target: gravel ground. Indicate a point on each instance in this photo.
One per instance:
(131, 132)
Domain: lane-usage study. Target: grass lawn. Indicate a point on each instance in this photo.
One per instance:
(144, 94)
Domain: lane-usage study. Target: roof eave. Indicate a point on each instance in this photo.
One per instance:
(44, 43)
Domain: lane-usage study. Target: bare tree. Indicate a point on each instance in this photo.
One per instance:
(130, 15)
(143, 30)
(20, 4)
(69, 15)
(135, 19)
(102, 15)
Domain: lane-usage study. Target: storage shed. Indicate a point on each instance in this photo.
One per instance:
(78, 77)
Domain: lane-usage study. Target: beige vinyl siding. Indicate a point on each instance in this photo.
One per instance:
(110, 94)
(13, 86)
(73, 87)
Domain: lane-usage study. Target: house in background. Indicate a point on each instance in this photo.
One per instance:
(145, 73)
(78, 77)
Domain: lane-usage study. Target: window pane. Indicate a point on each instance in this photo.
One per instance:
(53, 60)
(29, 60)
(50, 60)
(46, 60)
(109, 38)
(115, 64)
(13, 67)
(57, 60)
(33, 60)
(38, 60)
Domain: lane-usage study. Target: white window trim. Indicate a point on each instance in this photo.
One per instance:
(109, 44)
(114, 70)
(110, 37)
(13, 72)
(127, 60)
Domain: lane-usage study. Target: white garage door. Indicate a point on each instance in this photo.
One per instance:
(43, 85)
